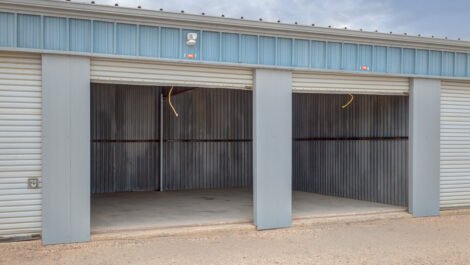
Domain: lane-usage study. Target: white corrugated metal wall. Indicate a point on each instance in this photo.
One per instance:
(151, 73)
(354, 84)
(455, 144)
(20, 143)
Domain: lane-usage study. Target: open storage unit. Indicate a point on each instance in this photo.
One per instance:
(350, 143)
(204, 166)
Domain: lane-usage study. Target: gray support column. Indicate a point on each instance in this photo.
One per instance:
(424, 146)
(66, 149)
(272, 149)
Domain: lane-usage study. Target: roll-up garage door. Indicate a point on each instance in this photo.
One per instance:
(151, 73)
(20, 144)
(354, 84)
(455, 144)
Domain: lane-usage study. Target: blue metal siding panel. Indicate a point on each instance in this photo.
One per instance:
(103, 37)
(394, 60)
(55, 33)
(7, 29)
(211, 46)
(267, 46)
(126, 39)
(29, 31)
(301, 53)
(364, 56)
(409, 61)
(334, 55)
(380, 59)
(447, 64)
(421, 66)
(249, 49)
(460, 64)
(170, 43)
(318, 54)
(284, 51)
(80, 35)
(468, 64)
(191, 49)
(230, 47)
(349, 54)
(435, 63)
(148, 42)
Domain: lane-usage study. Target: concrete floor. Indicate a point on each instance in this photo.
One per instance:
(148, 210)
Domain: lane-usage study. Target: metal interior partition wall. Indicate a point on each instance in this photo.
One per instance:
(359, 152)
(207, 146)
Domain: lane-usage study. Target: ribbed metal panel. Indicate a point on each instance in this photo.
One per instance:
(360, 152)
(371, 170)
(148, 36)
(150, 73)
(210, 41)
(206, 165)
(170, 47)
(122, 38)
(55, 30)
(126, 42)
(125, 134)
(301, 47)
(209, 144)
(230, 47)
(20, 143)
(455, 144)
(336, 83)
(29, 31)
(7, 29)
(80, 35)
(267, 50)
(103, 37)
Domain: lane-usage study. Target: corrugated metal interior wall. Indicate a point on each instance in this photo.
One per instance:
(207, 146)
(360, 152)
(125, 133)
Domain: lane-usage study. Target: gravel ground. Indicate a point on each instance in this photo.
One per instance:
(437, 240)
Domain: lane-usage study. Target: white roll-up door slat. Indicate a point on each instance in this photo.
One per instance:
(342, 83)
(20, 143)
(167, 74)
(455, 144)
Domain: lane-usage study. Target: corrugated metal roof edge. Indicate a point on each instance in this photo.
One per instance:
(125, 14)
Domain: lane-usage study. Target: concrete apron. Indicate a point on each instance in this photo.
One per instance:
(249, 226)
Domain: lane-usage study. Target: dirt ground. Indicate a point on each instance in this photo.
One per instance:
(439, 240)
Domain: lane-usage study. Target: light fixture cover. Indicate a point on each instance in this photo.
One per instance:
(191, 39)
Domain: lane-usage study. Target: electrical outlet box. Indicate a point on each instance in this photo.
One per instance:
(33, 183)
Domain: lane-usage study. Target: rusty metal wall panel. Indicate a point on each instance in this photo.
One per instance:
(125, 138)
(360, 152)
(209, 145)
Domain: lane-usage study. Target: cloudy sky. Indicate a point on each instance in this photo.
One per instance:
(440, 18)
